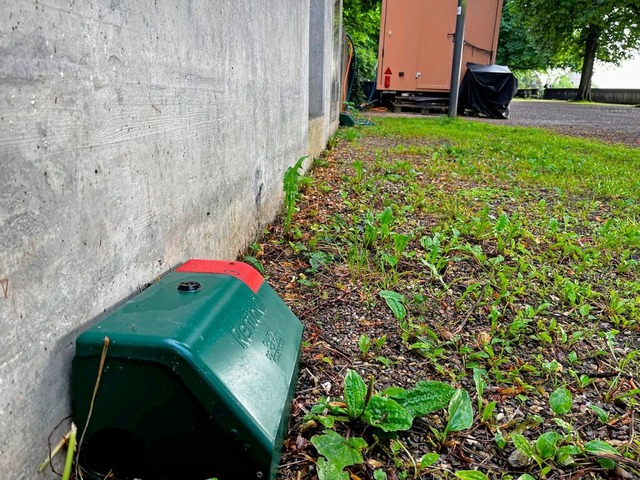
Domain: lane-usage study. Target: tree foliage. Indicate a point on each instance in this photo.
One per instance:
(361, 20)
(570, 33)
(516, 49)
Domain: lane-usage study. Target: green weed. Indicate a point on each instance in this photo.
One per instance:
(291, 187)
(508, 260)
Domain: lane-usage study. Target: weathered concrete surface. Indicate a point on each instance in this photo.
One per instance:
(325, 54)
(134, 134)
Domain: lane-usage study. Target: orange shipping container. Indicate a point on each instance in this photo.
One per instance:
(416, 42)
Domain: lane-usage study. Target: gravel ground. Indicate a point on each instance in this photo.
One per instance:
(611, 123)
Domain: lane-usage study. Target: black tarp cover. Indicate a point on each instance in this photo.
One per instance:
(487, 90)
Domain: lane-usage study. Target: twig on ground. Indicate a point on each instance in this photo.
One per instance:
(54, 451)
(103, 357)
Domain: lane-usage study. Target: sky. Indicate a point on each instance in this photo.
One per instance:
(626, 75)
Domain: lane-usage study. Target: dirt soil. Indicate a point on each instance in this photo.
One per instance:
(335, 315)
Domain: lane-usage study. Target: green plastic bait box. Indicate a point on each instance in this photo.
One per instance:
(198, 373)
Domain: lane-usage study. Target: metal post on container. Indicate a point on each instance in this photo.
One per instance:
(457, 58)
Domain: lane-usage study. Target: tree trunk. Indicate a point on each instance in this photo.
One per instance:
(591, 46)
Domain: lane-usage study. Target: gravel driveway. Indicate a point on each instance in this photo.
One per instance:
(611, 123)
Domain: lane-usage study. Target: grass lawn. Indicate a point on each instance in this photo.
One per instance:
(471, 301)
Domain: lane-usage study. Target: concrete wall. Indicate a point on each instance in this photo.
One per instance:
(134, 134)
(325, 71)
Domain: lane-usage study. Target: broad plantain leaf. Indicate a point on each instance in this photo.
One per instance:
(397, 393)
(471, 475)
(327, 421)
(386, 217)
(460, 412)
(597, 447)
(326, 414)
(569, 450)
(355, 392)
(321, 406)
(328, 471)
(428, 460)
(607, 463)
(603, 416)
(501, 223)
(395, 302)
(487, 412)
(561, 401)
(339, 451)
(428, 396)
(523, 445)
(387, 414)
(478, 373)
(364, 343)
(567, 427)
(547, 444)
(564, 454)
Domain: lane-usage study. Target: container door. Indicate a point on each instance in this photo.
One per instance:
(416, 39)
(435, 44)
(399, 35)
(481, 31)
